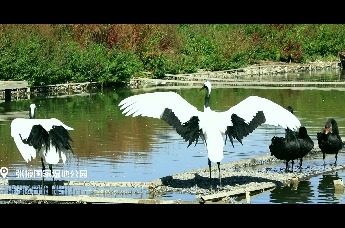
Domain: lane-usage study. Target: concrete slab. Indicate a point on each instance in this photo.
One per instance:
(13, 85)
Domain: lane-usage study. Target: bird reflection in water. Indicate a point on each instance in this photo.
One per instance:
(295, 193)
(328, 190)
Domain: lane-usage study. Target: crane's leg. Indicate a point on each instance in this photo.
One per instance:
(286, 166)
(43, 174)
(209, 166)
(336, 159)
(50, 191)
(292, 163)
(323, 157)
(300, 163)
(220, 179)
(51, 170)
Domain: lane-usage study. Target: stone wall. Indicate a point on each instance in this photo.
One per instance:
(247, 73)
(50, 90)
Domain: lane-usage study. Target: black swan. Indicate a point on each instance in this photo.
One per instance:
(330, 141)
(285, 148)
(295, 145)
(305, 142)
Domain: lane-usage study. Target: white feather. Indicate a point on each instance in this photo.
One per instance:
(49, 155)
(22, 127)
(154, 104)
(275, 114)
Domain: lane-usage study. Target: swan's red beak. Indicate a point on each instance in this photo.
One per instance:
(326, 130)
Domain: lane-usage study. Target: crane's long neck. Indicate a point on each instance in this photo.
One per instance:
(32, 116)
(32, 113)
(207, 99)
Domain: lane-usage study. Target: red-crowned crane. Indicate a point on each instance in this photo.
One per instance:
(49, 138)
(211, 126)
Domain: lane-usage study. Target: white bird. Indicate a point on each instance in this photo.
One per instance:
(213, 127)
(47, 137)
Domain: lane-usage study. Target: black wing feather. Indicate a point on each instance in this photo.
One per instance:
(241, 129)
(60, 138)
(38, 136)
(189, 130)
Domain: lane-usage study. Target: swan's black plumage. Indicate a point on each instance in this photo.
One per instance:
(330, 142)
(295, 145)
(305, 142)
(285, 148)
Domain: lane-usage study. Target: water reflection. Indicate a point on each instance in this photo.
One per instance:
(327, 189)
(295, 193)
(342, 75)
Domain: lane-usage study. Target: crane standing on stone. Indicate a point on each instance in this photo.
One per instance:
(211, 126)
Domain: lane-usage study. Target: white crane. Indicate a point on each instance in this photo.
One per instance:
(49, 138)
(211, 126)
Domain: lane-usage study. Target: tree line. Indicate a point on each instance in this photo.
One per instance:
(111, 54)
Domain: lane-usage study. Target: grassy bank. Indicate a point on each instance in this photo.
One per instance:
(113, 53)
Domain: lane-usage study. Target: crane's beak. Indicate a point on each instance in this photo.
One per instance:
(203, 87)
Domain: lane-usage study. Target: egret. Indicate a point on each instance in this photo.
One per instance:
(49, 138)
(329, 141)
(212, 127)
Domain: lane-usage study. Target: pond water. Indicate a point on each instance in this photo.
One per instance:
(111, 147)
